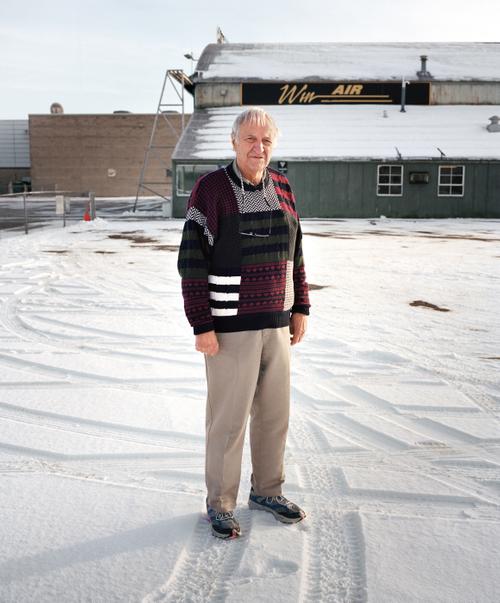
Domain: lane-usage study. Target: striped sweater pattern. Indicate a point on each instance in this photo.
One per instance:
(240, 257)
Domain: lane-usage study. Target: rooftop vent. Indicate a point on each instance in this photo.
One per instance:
(56, 109)
(423, 74)
(494, 126)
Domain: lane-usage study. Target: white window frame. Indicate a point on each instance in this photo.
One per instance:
(210, 167)
(451, 184)
(389, 184)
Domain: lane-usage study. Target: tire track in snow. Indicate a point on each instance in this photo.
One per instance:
(9, 310)
(77, 376)
(103, 429)
(334, 551)
(107, 291)
(333, 567)
(423, 462)
(334, 541)
(448, 371)
(431, 441)
(470, 491)
(205, 567)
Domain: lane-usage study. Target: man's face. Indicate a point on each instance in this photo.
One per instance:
(253, 147)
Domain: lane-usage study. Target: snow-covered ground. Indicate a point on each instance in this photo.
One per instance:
(394, 444)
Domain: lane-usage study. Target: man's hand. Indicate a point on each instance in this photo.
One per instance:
(298, 326)
(207, 343)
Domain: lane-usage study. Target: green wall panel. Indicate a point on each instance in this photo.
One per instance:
(334, 189)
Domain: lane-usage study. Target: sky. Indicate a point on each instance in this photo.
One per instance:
(99, 56)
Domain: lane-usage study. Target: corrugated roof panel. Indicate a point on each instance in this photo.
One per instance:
(321, 132)
(14, 143)
(461, 61)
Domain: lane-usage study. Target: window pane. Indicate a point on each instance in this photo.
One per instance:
(456, 179)
(443, 190)
(395, 190)
(384, 169)
(396, 178)
(444, 171)
(458, 169)
(187, 175)
(383, 190)
(383, 179)
(456, 190)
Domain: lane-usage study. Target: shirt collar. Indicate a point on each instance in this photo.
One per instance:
(239, 175)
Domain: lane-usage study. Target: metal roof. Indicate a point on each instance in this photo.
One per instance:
(460, 61)
(14, 143)
(361, 132)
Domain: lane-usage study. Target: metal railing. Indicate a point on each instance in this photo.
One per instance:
(34, 209)
(179, 82)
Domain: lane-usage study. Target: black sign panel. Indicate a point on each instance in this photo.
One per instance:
(283, 167)
(334, 93)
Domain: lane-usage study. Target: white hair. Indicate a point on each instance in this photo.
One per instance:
(257, 116)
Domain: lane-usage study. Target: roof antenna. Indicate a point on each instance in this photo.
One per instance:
(221, 38)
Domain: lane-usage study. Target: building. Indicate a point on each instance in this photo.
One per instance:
(100, 153)
(346, 145)
(14, 155)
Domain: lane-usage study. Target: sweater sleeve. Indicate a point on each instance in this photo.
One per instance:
(301, 288)
(301, 302)
(193, 262)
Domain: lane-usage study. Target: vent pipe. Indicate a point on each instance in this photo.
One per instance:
(423, 74)
(56, 109)
(494, 126)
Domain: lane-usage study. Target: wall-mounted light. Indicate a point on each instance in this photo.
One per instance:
(190, 57)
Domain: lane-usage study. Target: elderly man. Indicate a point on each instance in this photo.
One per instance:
(246, 297)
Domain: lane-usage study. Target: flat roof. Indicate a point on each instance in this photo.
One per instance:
(347, 132)
(460, 61)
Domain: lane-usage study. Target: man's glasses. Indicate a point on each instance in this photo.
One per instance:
(252, 233)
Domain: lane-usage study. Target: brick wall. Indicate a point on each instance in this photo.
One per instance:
(99, 153)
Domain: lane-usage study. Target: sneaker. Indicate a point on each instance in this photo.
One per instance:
(283, 509)
(224, 525)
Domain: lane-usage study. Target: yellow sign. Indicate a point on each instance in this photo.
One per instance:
(292, 94)
(318, 93)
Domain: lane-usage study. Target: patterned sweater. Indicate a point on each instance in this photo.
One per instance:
(240, 257)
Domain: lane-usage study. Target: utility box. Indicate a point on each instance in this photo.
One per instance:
(62, 205)
(166, 208)
(419, 177)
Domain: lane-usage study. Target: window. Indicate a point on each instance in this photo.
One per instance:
(390, 180)
(451, 181)
(186, 176)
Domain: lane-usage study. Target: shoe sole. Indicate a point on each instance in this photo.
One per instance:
(234, 534)
(254, 505)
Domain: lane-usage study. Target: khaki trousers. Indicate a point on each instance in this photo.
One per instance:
(250, 376)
